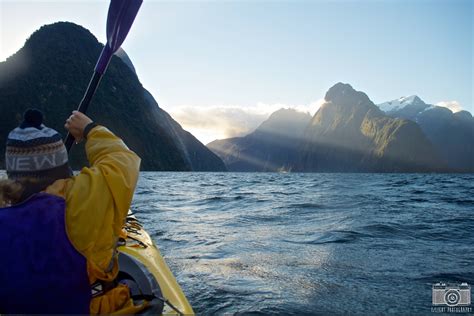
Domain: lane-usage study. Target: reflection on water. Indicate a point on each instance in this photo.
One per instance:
(310, 243)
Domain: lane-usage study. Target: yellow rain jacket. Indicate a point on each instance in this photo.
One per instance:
(97, 202)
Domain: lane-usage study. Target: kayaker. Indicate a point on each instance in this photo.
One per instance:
(58, 232)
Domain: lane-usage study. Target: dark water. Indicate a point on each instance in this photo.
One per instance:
(311, 243)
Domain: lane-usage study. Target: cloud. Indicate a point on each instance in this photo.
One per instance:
(452, 105)
(218, 122)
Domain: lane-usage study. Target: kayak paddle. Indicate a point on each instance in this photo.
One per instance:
(120, 17)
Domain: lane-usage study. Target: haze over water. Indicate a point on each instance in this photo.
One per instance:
(310, 243)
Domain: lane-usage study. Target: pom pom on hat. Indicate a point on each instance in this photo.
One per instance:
(32, 118)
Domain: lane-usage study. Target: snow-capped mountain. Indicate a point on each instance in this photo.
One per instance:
(452, 134)
(413, 103)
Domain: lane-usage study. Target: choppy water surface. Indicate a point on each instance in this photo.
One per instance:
(311, 243)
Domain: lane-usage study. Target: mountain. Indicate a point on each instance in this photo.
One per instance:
(452, 134)
(51, 72)
(349, 133)
(405, 107)
(271, 147)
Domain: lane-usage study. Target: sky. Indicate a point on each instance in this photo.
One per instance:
(221, 67)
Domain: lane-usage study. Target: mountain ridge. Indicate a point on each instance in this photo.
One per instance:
(51, 73)
(348, 133)
(451, 133)
(270, 147)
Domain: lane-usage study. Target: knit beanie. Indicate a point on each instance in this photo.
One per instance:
(36, 151)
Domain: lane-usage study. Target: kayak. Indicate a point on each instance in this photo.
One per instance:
(153, 287)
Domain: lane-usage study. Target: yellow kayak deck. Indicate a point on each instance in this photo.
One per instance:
(141, 248)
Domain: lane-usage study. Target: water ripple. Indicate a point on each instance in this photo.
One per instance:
(293, 244)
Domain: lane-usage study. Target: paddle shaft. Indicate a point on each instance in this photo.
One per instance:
(120, 18)
(86, 100)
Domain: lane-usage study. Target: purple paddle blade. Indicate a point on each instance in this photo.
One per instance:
(120, 18)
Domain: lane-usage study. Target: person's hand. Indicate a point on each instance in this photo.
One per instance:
(76, 124)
